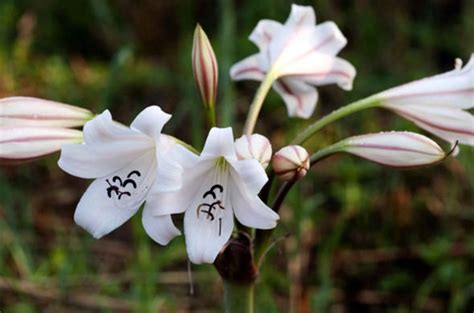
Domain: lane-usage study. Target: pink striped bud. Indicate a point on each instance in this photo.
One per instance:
(254, 146)
(396, 149)
(28, 111)
(204, 67)
(291, 163)
(28, 142)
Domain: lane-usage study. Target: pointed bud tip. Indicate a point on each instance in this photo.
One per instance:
(205, 68)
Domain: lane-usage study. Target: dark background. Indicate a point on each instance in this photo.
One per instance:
(356, 237)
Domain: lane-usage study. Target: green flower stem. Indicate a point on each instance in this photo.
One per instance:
(257, 103)
(325, 152)
(238, 297)
(353, 107)
(211, 115)
(263, 240)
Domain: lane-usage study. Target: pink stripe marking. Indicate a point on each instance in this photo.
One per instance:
(391, 148)
(288, 90)
(248, 70)
(28, 139)
(435, 93)
(41, 117)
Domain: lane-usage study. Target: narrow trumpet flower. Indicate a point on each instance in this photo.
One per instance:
(28, 111)
(395, 149)
(254, 146)
(22, 143)
(204, 67)
(297, 55)
(124, 163)
(217, 186)
(291, 163)
(438, 104)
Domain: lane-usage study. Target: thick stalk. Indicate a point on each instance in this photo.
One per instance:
(238, 298)
(353, 107)
(257, 103)
(210, 115)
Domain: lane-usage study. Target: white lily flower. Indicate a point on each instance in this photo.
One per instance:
(123, 161)
(216, 187)
(28, 142)
(396, 149)
(254, 146)
(28, 111)
(438, 104)
(299, 55)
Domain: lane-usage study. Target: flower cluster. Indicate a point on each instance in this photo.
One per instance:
(140, 166)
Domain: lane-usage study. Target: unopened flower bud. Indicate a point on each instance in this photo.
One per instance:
(254, 146)
(27, 142)
(396, 149)
(204, 67)
(291, 163)
(28, 111)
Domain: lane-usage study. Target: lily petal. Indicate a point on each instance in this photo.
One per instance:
(263, 33)
(103, 130)
(174, 202)
(328, 38)
(108, 147)
(207, 233)
(450, 124)
(28, 111)
(251, 173)
(220, 142)
(301, 15)
(25, 142)
(249, 209)
(150, 121)
(160, 228)
(110, 201)
(321, 69)
(453, 89)
(300, 98)
(248, 68)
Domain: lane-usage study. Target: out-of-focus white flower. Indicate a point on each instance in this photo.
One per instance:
(27, 142)
(291, 163)
(438, 104)
(124, 163)
(28, 111)
(254, 146)
(298, 55)
(216, 187)
(204, 67)
(397, 149)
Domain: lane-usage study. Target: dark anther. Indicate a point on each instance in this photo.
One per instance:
(210, 207)
(134, 172)
(119, 183)
(129, 181)
(211, 191)
(124, 193)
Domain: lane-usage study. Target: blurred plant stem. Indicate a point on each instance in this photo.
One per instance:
(238, 297)
(226, 50)
(257, 103)
(353, 107)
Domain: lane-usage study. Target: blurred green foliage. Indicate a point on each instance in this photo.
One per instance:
(355, 237)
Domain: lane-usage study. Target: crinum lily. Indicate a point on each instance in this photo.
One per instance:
(123, 161)
(438, 104)
(215, 187)
(298, 55)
